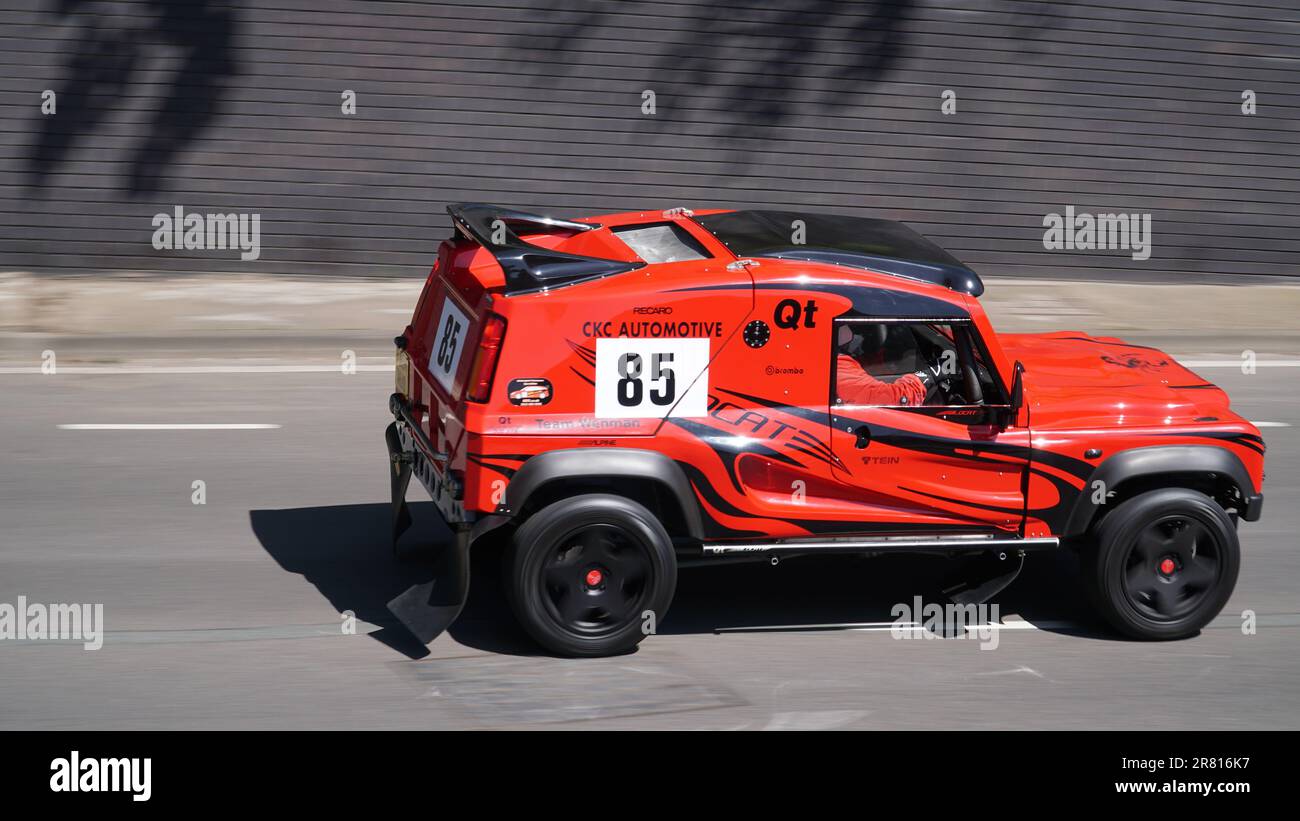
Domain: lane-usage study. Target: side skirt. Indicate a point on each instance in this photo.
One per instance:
(876, 544)
(996, 562)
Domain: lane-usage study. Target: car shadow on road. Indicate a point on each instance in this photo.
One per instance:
(344, 552)
(843, 592)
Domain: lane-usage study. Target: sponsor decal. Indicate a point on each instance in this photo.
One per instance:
(789, 314)
(1135, 362)
(529, 391)
(647, 329)
(584, 424)
(771, 429)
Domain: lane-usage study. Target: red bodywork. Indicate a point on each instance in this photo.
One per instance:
(767, 453)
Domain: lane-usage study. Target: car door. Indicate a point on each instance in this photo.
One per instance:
(951, 462)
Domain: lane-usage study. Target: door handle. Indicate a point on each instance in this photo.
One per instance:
(863, 435)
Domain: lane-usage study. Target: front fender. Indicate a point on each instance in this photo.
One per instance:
(1150, 461)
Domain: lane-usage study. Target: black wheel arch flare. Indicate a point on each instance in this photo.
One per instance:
(605, 463)
(1162, 459)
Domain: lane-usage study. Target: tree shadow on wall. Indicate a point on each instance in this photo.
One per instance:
(109, 54)
(755, 66)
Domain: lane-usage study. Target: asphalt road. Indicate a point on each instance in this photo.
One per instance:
(227, 614)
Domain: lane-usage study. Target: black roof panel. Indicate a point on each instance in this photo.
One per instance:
(857, 242)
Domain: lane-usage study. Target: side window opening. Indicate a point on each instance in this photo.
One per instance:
(661, 242)
(909, 363)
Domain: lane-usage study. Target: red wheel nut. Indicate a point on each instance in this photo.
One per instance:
(595, 577)
(1168, 567)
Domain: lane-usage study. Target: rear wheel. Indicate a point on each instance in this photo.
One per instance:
(1163, 564)
(591, 575)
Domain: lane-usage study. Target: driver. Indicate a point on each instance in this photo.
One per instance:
(857, 387)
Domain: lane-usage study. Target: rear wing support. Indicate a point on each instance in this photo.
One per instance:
(530, 267)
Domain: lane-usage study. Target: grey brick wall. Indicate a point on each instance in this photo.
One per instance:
(235, 106)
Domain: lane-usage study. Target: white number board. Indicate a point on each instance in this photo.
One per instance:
(448, 343)
(646, 378)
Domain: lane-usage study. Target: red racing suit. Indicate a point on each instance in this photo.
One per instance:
(857, 387)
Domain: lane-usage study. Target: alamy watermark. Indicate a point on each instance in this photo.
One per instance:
(77, 774)
(34, 621)
(930, 620)
(208, 232)
(1077, 231)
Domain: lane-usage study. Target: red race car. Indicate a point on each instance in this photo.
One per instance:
(618, 395)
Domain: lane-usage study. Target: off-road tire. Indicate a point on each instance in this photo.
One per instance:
(591, 575)
(1162, 564)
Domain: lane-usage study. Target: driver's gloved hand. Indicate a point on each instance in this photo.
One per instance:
(929, 376)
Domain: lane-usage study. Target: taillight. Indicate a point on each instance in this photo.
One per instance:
(485, 359)
(402, 364)
(402, 373)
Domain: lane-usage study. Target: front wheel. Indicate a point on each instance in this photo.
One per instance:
(591, 575)
(1163, 564)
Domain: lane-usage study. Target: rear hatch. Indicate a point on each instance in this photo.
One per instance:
(450, 350)
(498, 255)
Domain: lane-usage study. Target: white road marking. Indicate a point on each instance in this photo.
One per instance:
(1016, 624)
(1237, 363)
(237, 318)
(845, 626)
(174, 426)
(195, 369)
(1271, 424)
(1223, 622)
(886, 626)
(208, 634)
(915, 627)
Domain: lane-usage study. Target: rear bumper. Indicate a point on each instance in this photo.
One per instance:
(1252, 507)
(411, 445)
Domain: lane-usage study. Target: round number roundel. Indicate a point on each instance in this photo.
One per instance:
(757, 333)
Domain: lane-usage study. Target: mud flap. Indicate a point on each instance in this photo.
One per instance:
(399, 477)
(983, 577)
(428, 609)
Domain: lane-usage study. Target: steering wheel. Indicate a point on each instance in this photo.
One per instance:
(950, 389)
(944, 389)
(938, 387)
(934, 392)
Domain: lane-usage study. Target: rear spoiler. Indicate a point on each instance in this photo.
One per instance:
(529, 267)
